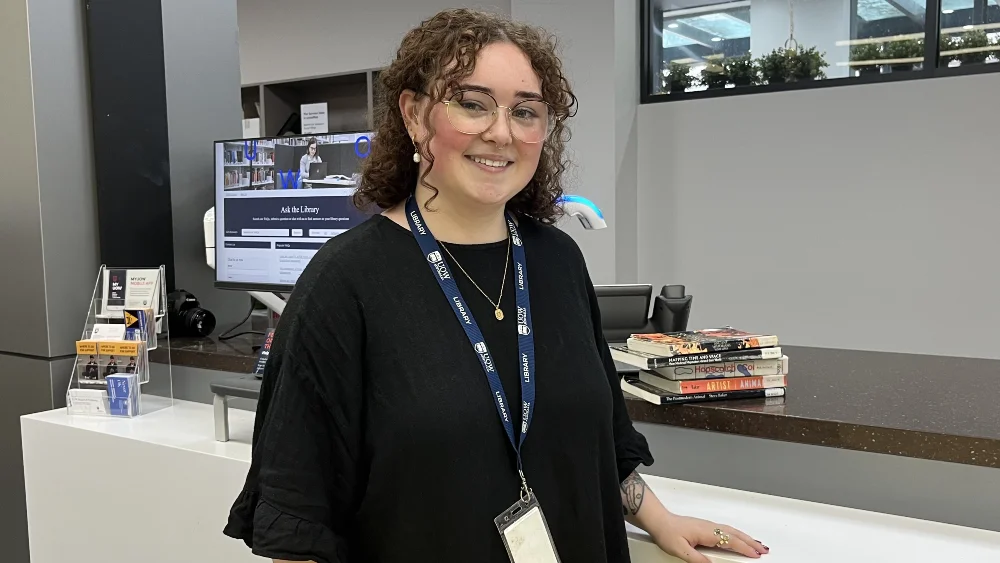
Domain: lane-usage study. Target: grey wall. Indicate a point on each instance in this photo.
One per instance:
(201, 62)
(308, 38)
(48, 241)
(859, 217)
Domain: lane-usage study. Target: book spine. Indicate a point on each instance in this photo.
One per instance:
(748, 368)
(715, 357)
(723, 396)
(639, 389)
(713, 385)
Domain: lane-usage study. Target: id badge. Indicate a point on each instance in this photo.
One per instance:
(525, 533)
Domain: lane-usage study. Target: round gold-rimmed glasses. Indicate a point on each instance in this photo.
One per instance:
(473, 112)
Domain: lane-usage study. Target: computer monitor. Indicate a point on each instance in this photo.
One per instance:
(272, 215)
(624, 309)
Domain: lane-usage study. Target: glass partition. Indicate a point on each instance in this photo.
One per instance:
(970, 33)
(696, 48)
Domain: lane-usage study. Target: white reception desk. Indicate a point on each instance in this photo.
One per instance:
(158, 488)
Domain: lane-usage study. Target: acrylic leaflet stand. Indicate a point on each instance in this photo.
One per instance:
(112, 374)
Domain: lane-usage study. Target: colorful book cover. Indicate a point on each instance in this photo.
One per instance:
(647, 392)
(265, 353)
(700, 341)
(689, 386)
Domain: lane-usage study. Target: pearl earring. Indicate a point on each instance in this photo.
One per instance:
(416, 153)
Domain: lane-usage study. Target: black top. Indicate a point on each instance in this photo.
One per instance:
(376, 437)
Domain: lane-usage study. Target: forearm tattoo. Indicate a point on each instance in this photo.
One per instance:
(633, 490)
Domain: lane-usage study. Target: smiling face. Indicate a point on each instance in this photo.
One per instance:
(491, 167)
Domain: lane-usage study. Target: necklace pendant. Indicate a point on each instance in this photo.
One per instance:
(499, 314)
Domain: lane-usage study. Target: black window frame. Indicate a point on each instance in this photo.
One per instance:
(651, 25)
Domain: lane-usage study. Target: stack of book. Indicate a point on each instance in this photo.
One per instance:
(703, 365)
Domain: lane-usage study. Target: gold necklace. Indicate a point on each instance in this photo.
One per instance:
(496, 305)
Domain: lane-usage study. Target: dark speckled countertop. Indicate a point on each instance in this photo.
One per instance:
(929, 407)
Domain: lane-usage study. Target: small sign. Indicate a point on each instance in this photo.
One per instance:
(251, 128)
(314, 119)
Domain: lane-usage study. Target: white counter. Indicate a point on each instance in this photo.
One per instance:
(183, 482)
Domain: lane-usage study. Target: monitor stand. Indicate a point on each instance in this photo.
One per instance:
(273, 301)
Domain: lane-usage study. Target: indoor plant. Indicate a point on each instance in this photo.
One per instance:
(774, 66)
(975, 38)
(741, 70)
(905, 49)
(679, 78)
(946, 43)
(866, 52)
(806, 64)
(713, 77)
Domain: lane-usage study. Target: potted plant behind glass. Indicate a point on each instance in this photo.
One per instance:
(975, 38)
(679, 78)
(904, 49)
(806, 64)
(946, 43)
(774, 66)
(741, 70)
(712, 76)
(866, 52)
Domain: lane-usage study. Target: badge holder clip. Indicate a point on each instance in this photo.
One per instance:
(524, 531)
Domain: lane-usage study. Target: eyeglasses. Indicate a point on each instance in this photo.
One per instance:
(473, 112)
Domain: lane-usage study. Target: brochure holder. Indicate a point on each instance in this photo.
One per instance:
(112, 374)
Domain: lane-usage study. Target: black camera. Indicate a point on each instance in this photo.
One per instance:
(186, 317)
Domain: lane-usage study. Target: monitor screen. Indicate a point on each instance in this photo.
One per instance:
(278, 200)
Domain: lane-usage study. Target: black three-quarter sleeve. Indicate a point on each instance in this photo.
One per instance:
(302, 487)
(631, 448)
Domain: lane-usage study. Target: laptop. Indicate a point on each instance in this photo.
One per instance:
(317, 170)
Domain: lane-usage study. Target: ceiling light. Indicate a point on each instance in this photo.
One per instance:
(966, 27)
(947, 11)
(716, 39)
(673, 26)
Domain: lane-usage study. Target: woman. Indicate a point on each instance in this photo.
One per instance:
(311, 156)
(388, 432)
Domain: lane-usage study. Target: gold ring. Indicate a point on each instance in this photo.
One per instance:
(723, 538)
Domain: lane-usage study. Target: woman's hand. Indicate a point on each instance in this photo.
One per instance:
(680, 535)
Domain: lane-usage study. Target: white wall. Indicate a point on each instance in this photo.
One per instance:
(295, 39)
(861, 217)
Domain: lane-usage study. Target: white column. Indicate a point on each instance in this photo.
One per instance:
(607, 88)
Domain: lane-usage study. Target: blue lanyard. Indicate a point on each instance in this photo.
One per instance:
(525, 341)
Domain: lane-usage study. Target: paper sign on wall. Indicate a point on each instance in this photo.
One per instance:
(251, 128)
(314, 119)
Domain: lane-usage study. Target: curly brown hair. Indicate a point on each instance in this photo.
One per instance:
(434, 58)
